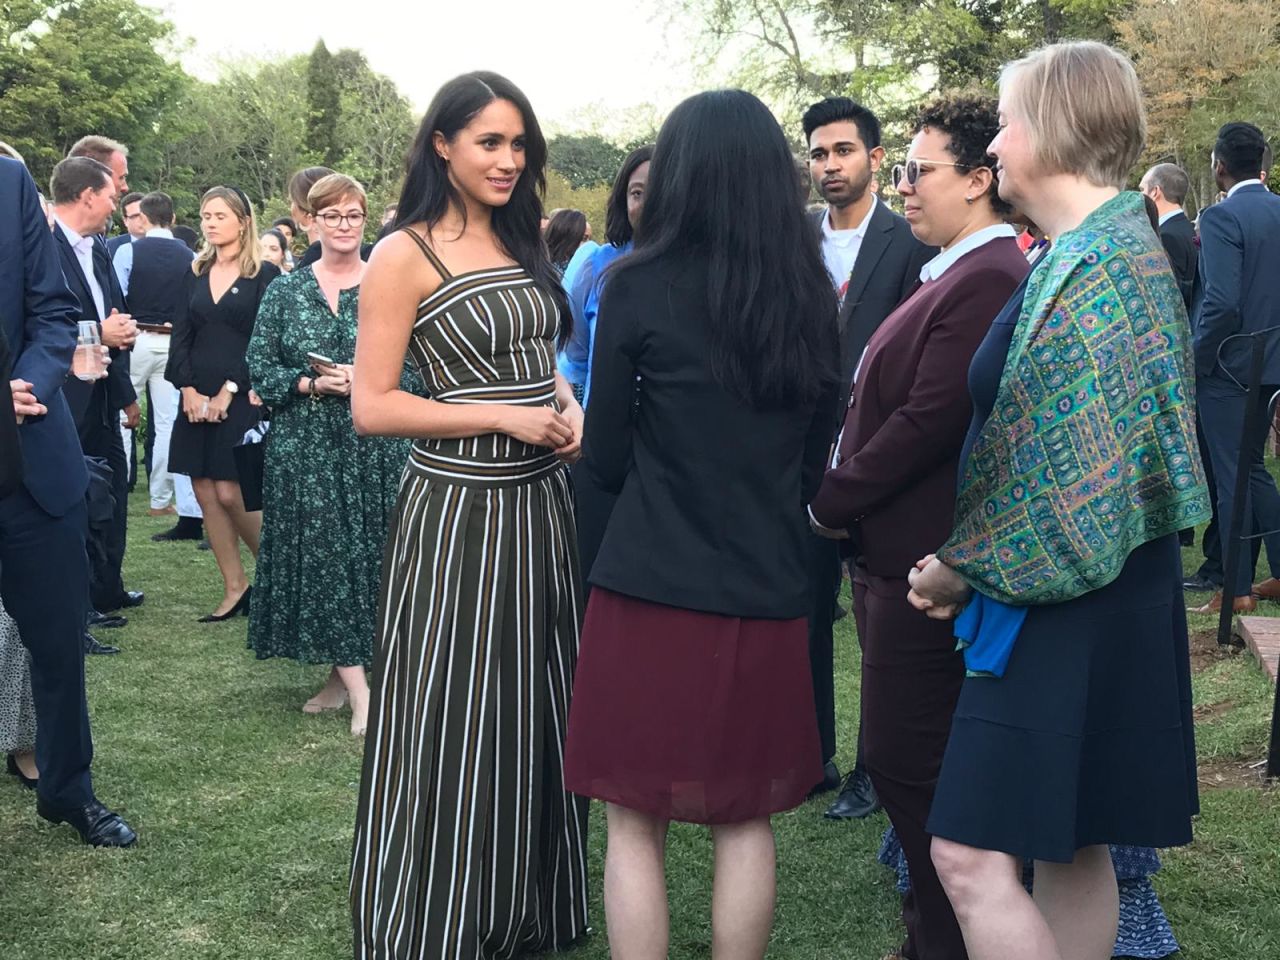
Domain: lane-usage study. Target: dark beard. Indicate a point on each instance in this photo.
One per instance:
(857, 190)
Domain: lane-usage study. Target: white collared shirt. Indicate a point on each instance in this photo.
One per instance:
(1166, 217)
(944, 261)
(123, 259)
(840, 248)
(1243, 183)
(83, 247)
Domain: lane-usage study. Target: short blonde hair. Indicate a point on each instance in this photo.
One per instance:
(250, 245)
(1083, 105)
(333, 189)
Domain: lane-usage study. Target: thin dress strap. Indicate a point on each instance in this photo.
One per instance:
(430, 254)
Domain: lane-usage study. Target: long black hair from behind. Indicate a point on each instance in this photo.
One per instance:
(722, 188)
(428, 193)
(617, 225)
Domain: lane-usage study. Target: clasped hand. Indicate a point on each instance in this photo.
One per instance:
(547, 427)
(119, 331)
(937, 590)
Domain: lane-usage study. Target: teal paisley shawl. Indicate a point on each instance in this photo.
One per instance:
(1090, 450)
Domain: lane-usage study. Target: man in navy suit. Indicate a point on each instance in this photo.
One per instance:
(44, 576)
(1238, 293)
(84, 198)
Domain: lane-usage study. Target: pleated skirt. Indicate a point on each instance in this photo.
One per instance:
(467, 844)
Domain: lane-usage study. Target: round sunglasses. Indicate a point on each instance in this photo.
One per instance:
(910, 171)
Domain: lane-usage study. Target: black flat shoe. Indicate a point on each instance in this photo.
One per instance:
(1197, 582)
(241, 607)
(183, 530)
(96, 648)
(133, 598)
(12, 766)
(857, 798)
(830, 780)
(97, 826)
(108, 621)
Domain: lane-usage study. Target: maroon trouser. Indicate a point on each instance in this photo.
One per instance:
(911, 677)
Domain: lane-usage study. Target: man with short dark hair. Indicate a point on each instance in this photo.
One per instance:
(44, 576)
(155, 275)
(84, 193)
(1239, 294)
(132, 223)
(874, 261)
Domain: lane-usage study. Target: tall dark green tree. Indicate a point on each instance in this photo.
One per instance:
(83, 66)
(324, 106)
(584, 159)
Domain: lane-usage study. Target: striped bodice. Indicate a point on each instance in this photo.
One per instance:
(486, 336)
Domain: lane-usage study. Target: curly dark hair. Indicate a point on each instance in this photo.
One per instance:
(970, 123)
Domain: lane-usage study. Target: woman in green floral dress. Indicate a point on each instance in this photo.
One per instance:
(328, 494)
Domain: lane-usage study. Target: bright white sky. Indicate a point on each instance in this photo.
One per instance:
(580, 63)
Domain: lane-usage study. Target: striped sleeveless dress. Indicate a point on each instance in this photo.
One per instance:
(467, 845)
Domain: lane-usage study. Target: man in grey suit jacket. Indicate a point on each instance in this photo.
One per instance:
(874, 262)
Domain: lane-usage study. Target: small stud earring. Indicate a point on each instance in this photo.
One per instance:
(968, 200)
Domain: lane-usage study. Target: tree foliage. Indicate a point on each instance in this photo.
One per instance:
(584, 159)
(324, 106)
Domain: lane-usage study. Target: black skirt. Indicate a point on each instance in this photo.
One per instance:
(203, 450)
(1088, 737)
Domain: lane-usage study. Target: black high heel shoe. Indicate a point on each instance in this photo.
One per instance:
(241, 607)
(12, 766)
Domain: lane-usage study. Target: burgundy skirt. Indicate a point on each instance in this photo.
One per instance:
(691, 716)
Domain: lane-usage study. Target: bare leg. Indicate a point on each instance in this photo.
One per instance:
(1080, 903)
(25, 760)
(742, 899)
(224, 542)
(357, 685)
(635, 885)
(332, 696)
(997, 916)
(247, 525)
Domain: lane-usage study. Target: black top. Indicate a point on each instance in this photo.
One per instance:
(711, 513)
(160, 281)
(987, 367)
(1179, 239)
(209, 343)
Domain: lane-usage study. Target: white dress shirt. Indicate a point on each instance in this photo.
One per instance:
(944, 261)
(83, 247)
(1243, 183)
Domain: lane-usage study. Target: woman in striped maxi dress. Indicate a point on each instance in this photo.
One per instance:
(467, 845)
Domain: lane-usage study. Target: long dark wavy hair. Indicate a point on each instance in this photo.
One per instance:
(428, 193)
(722, 187)
(617, 226)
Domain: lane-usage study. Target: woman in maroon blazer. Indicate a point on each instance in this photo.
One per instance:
(893, 486)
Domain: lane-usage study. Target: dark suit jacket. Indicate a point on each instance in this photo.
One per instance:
(1179, 239)
(10, 449)
(98, 402)
(1239, 290)
(710, 514)
(895, 486)
(886, 270)
(37, 313)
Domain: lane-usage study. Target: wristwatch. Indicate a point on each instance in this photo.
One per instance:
(231, 387)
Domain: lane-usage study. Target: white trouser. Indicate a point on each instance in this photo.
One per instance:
(147, 361)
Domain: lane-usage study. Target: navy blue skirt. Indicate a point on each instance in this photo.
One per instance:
(1088, 737)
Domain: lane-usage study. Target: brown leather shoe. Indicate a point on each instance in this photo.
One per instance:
(1268, 589)
(168, 511)
(1238, 605)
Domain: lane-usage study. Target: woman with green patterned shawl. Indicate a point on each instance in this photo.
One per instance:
(1073, 728)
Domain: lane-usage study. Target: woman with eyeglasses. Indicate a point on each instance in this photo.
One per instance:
(328, 494)
(892, 488)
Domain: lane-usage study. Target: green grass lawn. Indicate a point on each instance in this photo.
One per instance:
(245, 810)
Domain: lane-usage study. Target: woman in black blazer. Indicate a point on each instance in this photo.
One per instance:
(713, 391)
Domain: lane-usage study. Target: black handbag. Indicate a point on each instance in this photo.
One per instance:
(250, 456)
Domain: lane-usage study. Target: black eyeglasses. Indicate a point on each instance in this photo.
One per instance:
(333, 219)
(910, 171)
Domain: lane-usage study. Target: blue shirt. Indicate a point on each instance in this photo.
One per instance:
(574, 360)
